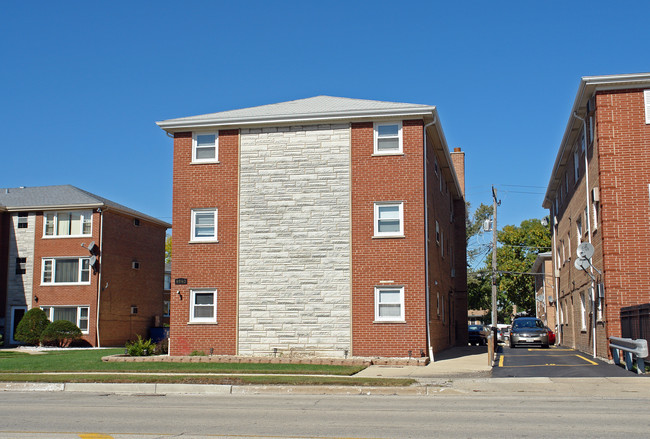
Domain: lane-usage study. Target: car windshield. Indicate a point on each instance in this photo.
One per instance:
(528, 324)
(475, 327)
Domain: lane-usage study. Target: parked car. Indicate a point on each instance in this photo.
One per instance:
(551, 336)
(477, 334)
(528, 331)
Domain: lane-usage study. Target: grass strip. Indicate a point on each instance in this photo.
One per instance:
(305, 380)
(90, 361)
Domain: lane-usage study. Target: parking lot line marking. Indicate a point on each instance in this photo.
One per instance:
(501, 361)
(555, 365)
(587, 360)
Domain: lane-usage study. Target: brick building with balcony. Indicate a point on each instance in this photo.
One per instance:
(82, 258)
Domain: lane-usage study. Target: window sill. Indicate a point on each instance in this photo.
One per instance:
(201, 323)
(65, 284)
(388, 236)
(390, 321)
(379, 154)
(206, 162)
(204, 242)
(66, 236)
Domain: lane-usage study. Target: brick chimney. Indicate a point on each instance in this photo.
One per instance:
(458, 160)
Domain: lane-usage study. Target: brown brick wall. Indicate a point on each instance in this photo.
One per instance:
(387, 178)
(124, 243)
(206, 265)
(624, 153)
(80, 295)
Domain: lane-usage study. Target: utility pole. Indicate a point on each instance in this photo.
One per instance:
(494, 256)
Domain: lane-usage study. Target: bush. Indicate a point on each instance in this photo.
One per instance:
(197, 354)
(61, 333)
(140, 347)
(162, 347)
(31, 326)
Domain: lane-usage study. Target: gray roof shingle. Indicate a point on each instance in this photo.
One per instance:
(63, 196)
(314, 108)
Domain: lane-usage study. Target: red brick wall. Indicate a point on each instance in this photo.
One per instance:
(85, 295)
(124, 243)
(624, 154)
(206, 265)
(387, 178)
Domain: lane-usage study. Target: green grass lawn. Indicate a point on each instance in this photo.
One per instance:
(73, 366)
(90, 361)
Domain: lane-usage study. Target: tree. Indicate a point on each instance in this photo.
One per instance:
(31, 326)
(516, 254)
(168, 249)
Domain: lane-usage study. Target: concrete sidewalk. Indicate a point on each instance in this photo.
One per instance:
(456, 362)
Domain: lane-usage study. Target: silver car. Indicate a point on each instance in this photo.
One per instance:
(528, 331)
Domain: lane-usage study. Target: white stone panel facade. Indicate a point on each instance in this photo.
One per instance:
(294, 242)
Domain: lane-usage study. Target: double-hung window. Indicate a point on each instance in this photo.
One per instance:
(65, 271)
(388, 138)
(389, 304)
(205, 147)
(389, 219)
(75, 314)
(203, 306)
(23, 220)
(73, 223)
(204, 225)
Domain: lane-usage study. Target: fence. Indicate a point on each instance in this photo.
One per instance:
(635, 322)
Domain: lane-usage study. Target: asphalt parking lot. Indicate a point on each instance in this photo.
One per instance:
(555, 362)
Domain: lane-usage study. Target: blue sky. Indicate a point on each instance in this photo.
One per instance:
(84, 82)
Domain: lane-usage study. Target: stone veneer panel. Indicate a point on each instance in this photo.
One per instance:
(294, 242)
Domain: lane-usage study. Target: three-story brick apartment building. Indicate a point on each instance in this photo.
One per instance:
(82, 258)
(599, 193)
(323, 226)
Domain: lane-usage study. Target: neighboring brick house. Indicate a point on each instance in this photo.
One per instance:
(599, 193)
(544, 298)
(299, 229)
(71, 253)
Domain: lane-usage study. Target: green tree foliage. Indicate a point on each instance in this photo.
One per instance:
(168, 249)
(518, 249)
(60, 333)
(31, 326)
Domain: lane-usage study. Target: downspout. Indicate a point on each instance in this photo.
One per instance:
(99, 280)
(426, 237)
(558, 323)
(588, 215)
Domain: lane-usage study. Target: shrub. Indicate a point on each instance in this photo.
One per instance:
(162, 347)
(31, 326)
(61, 333)
(140, 347)
(197, 354)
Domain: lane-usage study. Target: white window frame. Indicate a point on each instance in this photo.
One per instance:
(213, 238)
(85, 216)
(195, 146)
(212, 319)
(399, 136)
(50, 314)
(400, 232)
(576, 166)
(378, 317)
(646, 99)
(594, 210)
(579, 231)
(583, 312)
(52, 263)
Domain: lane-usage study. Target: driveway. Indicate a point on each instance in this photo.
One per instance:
(554, 362)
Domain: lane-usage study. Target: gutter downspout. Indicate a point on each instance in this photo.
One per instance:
(426, 237)
(593, 285)
(99, 281)
(558, 323)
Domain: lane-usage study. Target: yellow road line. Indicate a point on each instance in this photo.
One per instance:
(587, 360)
(501, 361)
(95, 436)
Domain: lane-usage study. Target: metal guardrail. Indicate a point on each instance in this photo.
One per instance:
(632, 348)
